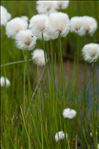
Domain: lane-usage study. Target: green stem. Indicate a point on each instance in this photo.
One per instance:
(24, 79)
(24, 123)
(85, 90)
(93, 95)
(61, 67)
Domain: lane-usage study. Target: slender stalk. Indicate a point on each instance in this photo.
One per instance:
(16, 62)
(38, 84)
(61, 67)
(85, 91)
(24, 79)
(76, 142)
(24, 122)
(93, 90)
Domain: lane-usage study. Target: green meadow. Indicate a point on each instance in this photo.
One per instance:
(32, 107)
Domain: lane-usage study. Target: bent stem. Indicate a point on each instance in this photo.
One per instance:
(16, 62)
(35, 91)
(41, 75)
(25, 127)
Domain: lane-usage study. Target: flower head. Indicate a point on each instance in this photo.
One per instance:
(5, 16)
(58, 25)
(59, 136)
(46, 6)
(38, 25)
(83, 25)
(90, 25)
(4, 82)
(62, 4)
(91, 52)
(15, 25)
(76, 25)
(25, 40)
(38, 57)
(69, 113)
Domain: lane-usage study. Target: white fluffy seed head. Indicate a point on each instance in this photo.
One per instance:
(58, 25)
(5, 16)
(25, 40)
(91, 52)
(83, 25)
(47, 6)
(38, 25)
(38, 57)
(69, 113)
(76, 25)
(4, 82)
(59, 136)
(62, 4)
(15, 25)
(90, 25)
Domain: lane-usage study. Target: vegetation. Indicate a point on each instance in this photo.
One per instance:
(32, 107)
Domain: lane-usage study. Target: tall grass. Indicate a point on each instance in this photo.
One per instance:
(31, 110)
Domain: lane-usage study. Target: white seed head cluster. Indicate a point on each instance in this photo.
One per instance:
(58, 24)
(50, 27)
(47, 6)
(15, 25)
(38, 25)
(69, 113)
(5, 16)
(83, 25)
(25, 40)
(59, 136)
(4, 82)
(38, 57)
(91, 52)
(90, 25)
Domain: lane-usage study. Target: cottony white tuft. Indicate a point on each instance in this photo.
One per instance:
(59, 136)
(25, 40)
(38, 57)
(4, 82)
(62, 4)
(58, 25)
(46, 6)
(76, 25)
(83, 25)
(25, 18)
(69, 113)
(90, 25)
(38, 25)
(91, 52)
(98, 146)
(15, 25)
(5, 16)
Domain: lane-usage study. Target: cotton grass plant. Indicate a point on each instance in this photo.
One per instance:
(42, 108)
